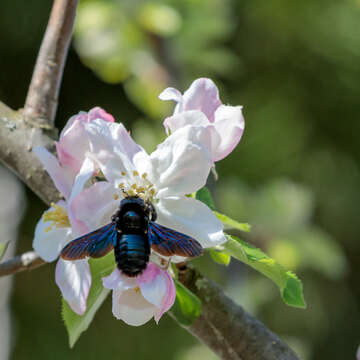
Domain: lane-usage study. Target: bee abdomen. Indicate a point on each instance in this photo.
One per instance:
(132, 253)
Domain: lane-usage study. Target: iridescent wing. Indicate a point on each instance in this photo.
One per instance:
(168, 242)
(95, 244)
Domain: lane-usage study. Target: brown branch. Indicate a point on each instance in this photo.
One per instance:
(27, 261)
(16, 141)
(41, 102)
(227, 328)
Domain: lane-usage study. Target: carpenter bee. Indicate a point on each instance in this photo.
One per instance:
(131, 233)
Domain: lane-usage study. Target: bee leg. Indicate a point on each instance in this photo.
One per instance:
(164, 263)
(153, 212)
(115, 217)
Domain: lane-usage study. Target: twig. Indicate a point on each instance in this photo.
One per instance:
(41, 101)
(27, 261)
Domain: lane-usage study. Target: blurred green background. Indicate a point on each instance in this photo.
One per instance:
(295, 66)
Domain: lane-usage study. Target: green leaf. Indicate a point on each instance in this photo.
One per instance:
(3, 247)
(204, 196)
(220, 257)
(232, 224)
(187, 305)
(76, 324)
(290, 286)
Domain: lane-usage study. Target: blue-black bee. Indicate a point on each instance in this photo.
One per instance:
(131, 233)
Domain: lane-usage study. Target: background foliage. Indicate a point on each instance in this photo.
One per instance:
(295, 66)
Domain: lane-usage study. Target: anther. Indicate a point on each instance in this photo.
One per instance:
(144, 175)
(123, 173)
(116, 196)
(135, 173)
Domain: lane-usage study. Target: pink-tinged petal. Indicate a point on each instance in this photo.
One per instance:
(63, 178)
(95, 205)
(65, 158)
(99, 113)
(49, 241)
(229, 124)
(73, 145)
(149, 275)
(182, 162)
(169, 298)
(177, 121)
(191, 217)
(202, 95)
(118, 281)
(131, 307)
(158, 288)
(82, 115)
(74, 280)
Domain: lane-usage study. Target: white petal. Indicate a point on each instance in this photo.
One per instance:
(112, 147)
(74, 281)
(131, 307)
(118, 281)
(191, 217)
(48, 244)
(229, 124)
(171, 94)
(62, 177)
(87, 169)
(177, 121)
(182, 162)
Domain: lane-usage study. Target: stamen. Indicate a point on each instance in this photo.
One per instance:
(144, 176)
(121, 185)
(116, 196)
(131, 192)
(135, 173)
(58, 217)
(123, 173)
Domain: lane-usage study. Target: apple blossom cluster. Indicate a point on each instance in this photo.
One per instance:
(93, 146)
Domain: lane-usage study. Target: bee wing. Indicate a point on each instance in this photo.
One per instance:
(168, 242)
(95, 244)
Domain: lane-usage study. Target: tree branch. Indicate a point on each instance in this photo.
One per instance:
(27, 261)
(227, 328)
(17, 138)
(41, 101)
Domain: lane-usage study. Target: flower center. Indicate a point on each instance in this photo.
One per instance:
(136, 185)
(58, 216)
